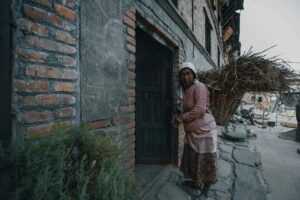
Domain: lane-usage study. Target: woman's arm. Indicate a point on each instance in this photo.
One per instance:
(200, 97)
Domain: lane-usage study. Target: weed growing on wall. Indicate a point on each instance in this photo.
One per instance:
(73, 164)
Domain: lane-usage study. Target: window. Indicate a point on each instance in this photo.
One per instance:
(208, 28)
(259, 100)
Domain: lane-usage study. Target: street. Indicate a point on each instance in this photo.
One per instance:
(280, 163)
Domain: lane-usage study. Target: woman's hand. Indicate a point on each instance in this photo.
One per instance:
(176, 120)
(175, 124)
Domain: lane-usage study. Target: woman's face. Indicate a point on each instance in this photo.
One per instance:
(186, 77)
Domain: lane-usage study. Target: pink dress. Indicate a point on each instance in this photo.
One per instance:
(199, 159)
(199, 125)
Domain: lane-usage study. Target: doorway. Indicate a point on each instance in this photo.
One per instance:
(5, 71)
(153, 100)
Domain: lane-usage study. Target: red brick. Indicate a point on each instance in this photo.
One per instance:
(117, 120)
(50, 45)
(45, 129)
(43, 100)
(131, 75)
(50, 72)
(181, 55)
(131, 31)
(132, 84)
(32, 86)
(131, 124)
(131, 131)
(131, 40)
(32, 27)
(31, 55)
(69, 74)
(34, 116)
(131, 100)
(131, 139)
(131, 15)
(67, 99)
(100, 124)
(65, 112)
(65, 12)
(131, 66)
(41, 130)
(132, 58)
(129, 21)
(131, 48)
(43, 71)
(43, 2)
(66, 60)
(64, 87)
(65, 37)
(131, 93)
(39, 14)
(127, 109)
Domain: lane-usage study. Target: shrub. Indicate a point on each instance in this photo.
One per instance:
(73, 164)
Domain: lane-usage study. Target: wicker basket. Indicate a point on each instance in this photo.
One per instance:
(224, 105)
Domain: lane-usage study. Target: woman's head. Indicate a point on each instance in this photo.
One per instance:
(187, 74)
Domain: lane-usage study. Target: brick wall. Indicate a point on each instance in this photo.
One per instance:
(129, 20)
(46, 72)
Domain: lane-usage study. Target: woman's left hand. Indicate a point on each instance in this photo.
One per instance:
(175, 122)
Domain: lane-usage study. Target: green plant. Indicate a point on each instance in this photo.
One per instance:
(72, 164)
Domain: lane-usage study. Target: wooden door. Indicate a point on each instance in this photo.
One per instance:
(153, 132)
(5, 71)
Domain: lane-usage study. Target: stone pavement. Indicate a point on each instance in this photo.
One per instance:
(281, 162)
(238, 173)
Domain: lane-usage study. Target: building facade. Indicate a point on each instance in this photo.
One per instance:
(110, 63)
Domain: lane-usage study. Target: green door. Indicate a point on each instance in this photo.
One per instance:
(153, 132)
(5, 71)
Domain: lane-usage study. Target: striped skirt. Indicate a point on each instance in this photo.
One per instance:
(200, 167)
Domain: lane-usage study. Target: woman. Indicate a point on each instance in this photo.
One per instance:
(199, 160)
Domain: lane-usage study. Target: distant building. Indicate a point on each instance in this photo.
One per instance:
(292, 96)
(113, 63)
(261, 100)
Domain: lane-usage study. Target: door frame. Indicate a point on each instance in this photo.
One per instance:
(159, 34)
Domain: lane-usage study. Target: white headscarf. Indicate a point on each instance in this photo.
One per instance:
(180, 91)
(188, 65)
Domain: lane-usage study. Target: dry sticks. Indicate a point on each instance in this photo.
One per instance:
(251, 72)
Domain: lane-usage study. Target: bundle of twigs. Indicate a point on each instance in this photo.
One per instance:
(251, 72)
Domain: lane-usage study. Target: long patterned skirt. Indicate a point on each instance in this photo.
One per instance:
(200, 167)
